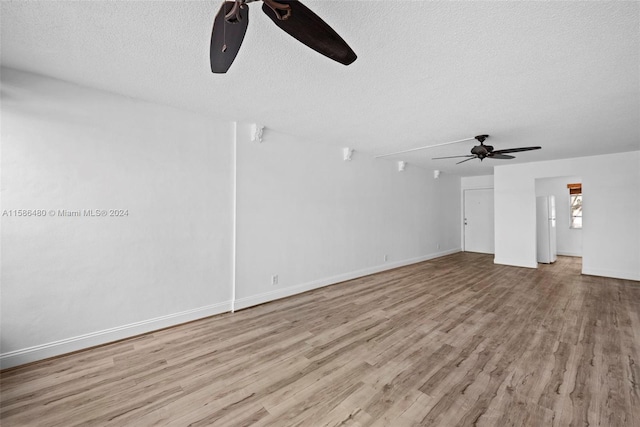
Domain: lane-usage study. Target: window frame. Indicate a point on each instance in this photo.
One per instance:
(575, 205)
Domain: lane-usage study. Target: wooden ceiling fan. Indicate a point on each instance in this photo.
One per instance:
(486, 151)
(293, 17)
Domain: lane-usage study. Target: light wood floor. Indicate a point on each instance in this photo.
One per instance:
(453, 341)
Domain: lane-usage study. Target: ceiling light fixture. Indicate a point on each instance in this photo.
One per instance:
(256, 132)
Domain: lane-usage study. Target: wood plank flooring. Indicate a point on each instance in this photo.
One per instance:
(452, 341)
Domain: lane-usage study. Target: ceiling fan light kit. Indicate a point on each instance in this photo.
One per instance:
(293, 17)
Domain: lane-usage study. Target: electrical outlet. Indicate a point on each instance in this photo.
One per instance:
(386, 258)
(274, 279)
(437, 245)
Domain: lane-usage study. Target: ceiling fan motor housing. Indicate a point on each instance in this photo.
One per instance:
(481, 150)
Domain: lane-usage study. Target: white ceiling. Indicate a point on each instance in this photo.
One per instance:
(563, 75)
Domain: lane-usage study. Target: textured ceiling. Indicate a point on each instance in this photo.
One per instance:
(563, 75)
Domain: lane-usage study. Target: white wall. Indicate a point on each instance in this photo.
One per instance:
(72, 282)
(312, 218)
(302, 213)
(569, 240)
(474, 182)
(611, 202)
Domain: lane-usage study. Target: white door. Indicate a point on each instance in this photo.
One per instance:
(478, 221)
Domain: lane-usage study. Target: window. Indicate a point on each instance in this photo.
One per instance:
(575, 195)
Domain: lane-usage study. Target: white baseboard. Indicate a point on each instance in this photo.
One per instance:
(68, 345)
(293, 290)
(626, 275)
(573, 254)
(515, 262)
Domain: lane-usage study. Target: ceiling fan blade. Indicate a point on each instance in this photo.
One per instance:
(229, 28)
(452, 157)
(495, 155)
(466, 160)
(516, 150)
(301, 23)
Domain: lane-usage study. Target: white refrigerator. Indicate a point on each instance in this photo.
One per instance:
(546, 229)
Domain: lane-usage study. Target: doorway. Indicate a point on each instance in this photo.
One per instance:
(568, 235)
(479, 221)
